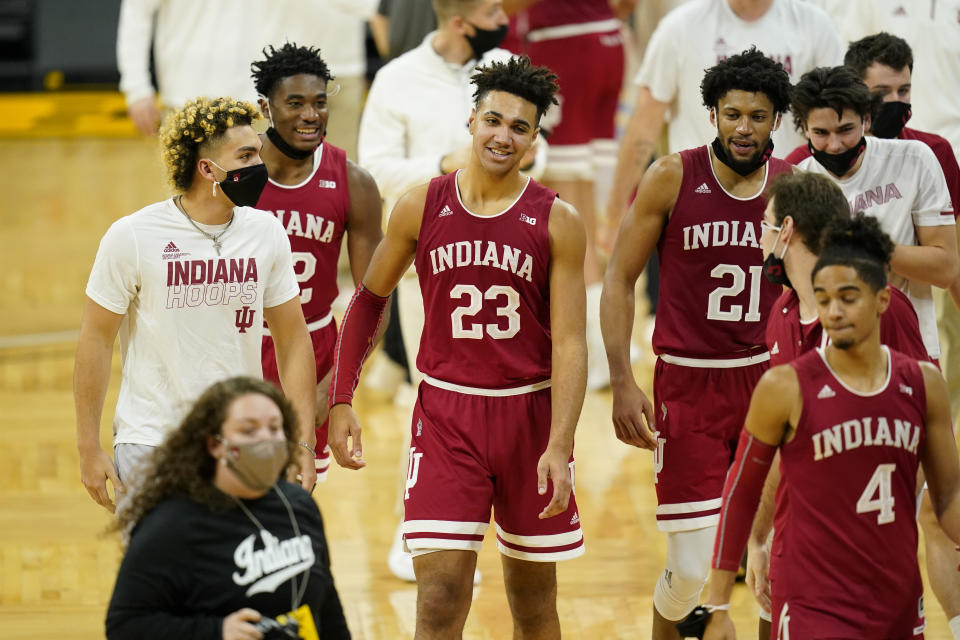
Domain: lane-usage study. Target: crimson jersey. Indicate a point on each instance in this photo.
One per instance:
(314, 213)
(938, 144)
(849, 562)
(554, 13)
(714, 297)
(485, 284)
(788, 337)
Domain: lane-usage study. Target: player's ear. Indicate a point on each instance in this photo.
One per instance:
(471, 120)
(264, 106)
(713, 116)
(883, 299)
(777, 120)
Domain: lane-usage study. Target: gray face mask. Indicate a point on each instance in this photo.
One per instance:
(257, 464)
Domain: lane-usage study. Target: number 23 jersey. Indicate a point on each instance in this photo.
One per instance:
(714, 298)
(486, 290)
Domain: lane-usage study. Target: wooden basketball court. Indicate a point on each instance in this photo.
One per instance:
(57, 567)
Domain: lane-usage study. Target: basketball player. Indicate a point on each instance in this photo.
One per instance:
(190, 280)
(701, 208)
(799, 206)
(500, 264)
(853, 423)
(317, 194)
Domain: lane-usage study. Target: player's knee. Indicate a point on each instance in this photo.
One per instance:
(441, 599)
(688, 564)
(532, 599)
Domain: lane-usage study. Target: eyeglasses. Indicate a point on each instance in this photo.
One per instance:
(764, 226)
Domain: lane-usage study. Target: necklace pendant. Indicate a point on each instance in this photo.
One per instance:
(216, 245)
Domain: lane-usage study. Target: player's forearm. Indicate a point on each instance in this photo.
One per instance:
(720, 587)
(133, 48)
(617, 305)
(91, 376)
(763, 521)
(947, 510)
(298, 379)
(569, 383)
(932, 264)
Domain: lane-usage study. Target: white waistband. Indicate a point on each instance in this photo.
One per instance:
(311, 326)
(706, 363)
(568, 30)
(479, 391)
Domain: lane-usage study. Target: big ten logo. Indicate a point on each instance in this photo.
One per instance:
(413, 471)
(658, 457)
(245, 318)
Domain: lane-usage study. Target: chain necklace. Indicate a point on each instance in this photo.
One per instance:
(215, 238)
(296, 594)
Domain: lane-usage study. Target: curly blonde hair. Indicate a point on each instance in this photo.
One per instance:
(199, 122)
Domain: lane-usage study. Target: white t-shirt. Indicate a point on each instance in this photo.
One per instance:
(901, 184)
(932, 29)
(192, 318)
(699, 34)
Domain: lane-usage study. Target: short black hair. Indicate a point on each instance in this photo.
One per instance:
(288, 60)
(521, 78)
(860, 243)
(883, 48)
(836, 88)
(812, 200)
(747, 71)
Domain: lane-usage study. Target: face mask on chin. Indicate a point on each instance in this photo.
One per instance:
(743, 168)
(890, 119)
(840, 163)
(484, 40)
(257, 464)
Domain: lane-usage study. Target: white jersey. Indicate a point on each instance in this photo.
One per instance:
(932, 29)
(192, 317)
(901, 184)
(699, 34)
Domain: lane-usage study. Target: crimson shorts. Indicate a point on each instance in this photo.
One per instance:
(469, 453)
(793, 620)
(699, 414)
(324, 340)
(589, 68)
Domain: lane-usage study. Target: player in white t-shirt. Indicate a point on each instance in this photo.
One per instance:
(899, 182)
(694, 37)
(187, 283)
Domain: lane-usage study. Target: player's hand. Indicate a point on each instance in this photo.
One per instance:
(344, 438)
(554, 464)
(307, 477)
(237, 625)
(758, 568)
(145, 115)
(96, 468)
(633, 416)
(719, 627)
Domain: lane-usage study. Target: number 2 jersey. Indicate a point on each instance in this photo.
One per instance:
(714, 298)
(486, 289)
(849, 564)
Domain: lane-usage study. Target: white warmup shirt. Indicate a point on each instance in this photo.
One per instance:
(700, 33)
(932, 29)
(901, 184)
(192, 317)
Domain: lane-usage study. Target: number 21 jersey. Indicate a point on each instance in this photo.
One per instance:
(486, 291)
(714, 298)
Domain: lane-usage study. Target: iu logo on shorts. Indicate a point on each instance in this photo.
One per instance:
(413, 470)
(245, 318)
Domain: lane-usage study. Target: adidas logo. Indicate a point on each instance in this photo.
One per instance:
(826, 392)
(446, 211)
(703, 189)
(575, 519)
(905, 389)
(171, 248)
(776, 349)
(900, 11)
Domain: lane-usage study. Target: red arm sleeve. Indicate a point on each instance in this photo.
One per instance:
(360, 325)
(741, 495)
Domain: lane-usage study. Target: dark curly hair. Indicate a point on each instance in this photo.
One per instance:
(200, 123)
(519, 77)
(836, 88)
(747, 71)
(883, 48)
(183, 466)
(860, 243)
(288, 60)
(812, 200)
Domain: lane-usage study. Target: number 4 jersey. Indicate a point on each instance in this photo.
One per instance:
(848, 567)
(486, 291)
(714, 298)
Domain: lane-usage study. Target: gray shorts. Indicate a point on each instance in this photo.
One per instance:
(129, 461)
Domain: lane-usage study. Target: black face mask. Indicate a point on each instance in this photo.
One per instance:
(484, 40)
(890, 119)
(744, 168)
(286, 149)
(839, 163)
(775, 270)
(244, 185)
